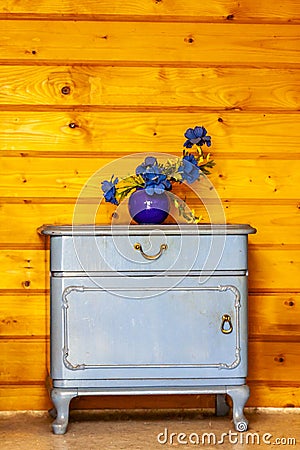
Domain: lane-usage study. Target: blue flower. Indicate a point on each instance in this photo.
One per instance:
(198, 136)
(149, 162)
(109, 190)
(156, 181)
(157, 184)
(189, 168)
(156, 178)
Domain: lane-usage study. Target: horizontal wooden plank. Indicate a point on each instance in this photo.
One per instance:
(24, 361)
(32, 397)
(275, 223)
(24, 269)
(86, 133)
(30, 216)
(276, 89)
(274, 361)
(29, 177)
(255, 178)
(35, 397)
(34, 175)
(274, 396)
(24, 397)
(274, 315)
(204, 10)
(269, 269)
(277, 316)
(32, 41)
(274, 269)
(24, 315)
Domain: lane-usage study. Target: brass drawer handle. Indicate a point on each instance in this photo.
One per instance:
(226, 321)
(139, 247)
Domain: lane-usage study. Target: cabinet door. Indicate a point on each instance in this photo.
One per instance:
(191, 329)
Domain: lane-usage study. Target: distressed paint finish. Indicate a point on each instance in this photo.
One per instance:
(121, 326)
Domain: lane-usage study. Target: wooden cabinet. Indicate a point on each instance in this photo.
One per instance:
(143, 310)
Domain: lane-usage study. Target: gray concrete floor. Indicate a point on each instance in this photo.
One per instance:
(105, 430)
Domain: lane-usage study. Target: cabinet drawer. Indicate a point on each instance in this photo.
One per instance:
(162, 333)
(148, 253)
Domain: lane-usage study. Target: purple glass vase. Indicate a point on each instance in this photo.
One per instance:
(148, 209)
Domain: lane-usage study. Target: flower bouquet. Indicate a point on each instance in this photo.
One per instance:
(147, 188)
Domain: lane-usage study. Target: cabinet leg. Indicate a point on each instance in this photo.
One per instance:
(239, 395)
(222, 407)
(61, 399)
(52, 413)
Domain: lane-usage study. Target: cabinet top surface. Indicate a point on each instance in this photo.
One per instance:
(108, 230)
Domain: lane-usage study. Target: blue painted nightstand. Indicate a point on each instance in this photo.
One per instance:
(148, 310)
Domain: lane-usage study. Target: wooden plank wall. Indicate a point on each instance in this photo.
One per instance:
(82, 83)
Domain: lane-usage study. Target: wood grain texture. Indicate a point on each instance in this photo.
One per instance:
(24, 397)
(270, 316)
(276, 223)
(25, 315)
(64, 41)
(269, 269)
(29, 177)
(276, 395)
(272, 268)
(27, 397)
(24, 361)
(281, 228)
(256, 10)
(28, 216)
(215, 88)
(24, 269)
(274, 315)
(238, 135)
(274, 361)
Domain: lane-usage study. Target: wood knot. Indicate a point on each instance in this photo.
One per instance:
(189, 40)
(65, 90)
(230, 17)
(280, 359)
(290, 303)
